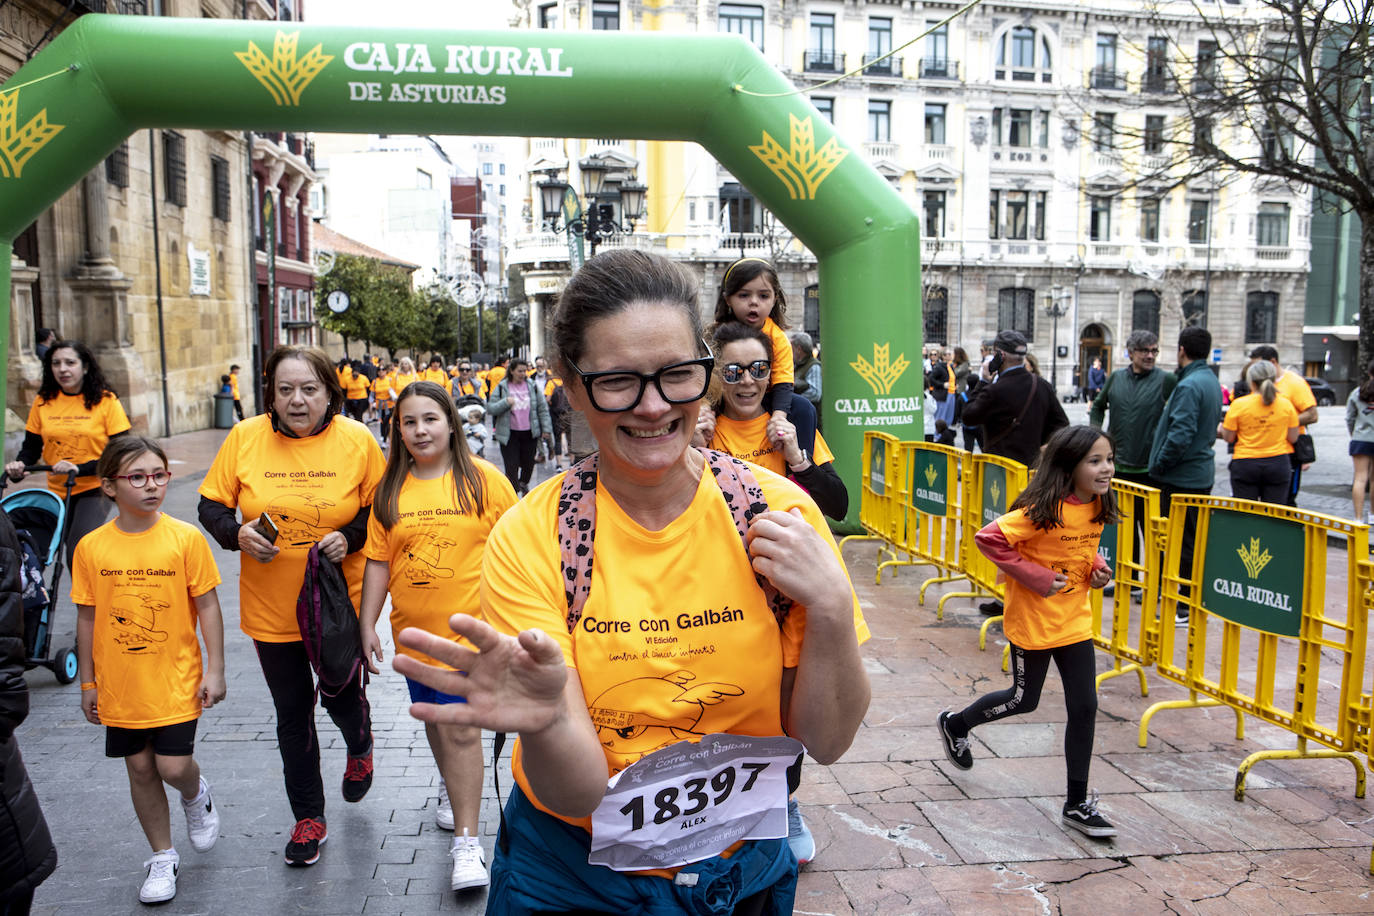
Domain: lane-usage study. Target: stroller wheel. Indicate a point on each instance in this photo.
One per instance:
(64, 665)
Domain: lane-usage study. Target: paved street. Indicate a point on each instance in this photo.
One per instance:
(899, 830)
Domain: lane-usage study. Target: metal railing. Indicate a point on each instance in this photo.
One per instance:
(823, 62)
(888, 66)
(1103, 78)
(938, 68)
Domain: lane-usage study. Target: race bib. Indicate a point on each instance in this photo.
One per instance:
(692, 801)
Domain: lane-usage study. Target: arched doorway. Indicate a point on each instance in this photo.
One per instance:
(1094, 342)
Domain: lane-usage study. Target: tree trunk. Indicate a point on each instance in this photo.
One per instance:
(1366, 350)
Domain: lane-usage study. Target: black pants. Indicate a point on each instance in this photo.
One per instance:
(1265, 479)
(1078, 672)
(238, 408)
(356, 408)
(17, 906)
(287, 671)
(518, 454)
(1166, 498)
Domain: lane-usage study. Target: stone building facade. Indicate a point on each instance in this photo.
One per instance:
(149, 259)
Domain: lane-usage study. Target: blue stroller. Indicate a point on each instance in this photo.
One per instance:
(40, 518)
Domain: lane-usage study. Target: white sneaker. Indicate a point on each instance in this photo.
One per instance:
(161, 883)
(202, 819)
(469, 865)
(444, 815)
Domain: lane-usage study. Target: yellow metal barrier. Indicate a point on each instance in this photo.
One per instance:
(993, 483)
(1134, 548)
(880, 511)
(932, 500)
(1257, 582)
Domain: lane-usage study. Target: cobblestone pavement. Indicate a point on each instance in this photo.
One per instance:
(899, 830)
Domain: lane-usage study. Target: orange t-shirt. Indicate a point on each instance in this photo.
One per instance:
(1295, 388)
(142, 586)
(357, 387)
(234, 385)
(309, 487)
(674, 616)
(381, 388)
(471, 386)
(782, 357)
(1033, 621)
(747, 440)
(1261, 430)
(494, 376)
(72, 432)
(434, 551)
(438, 377)
(400, 381)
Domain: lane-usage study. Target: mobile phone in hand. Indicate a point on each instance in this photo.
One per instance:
(267, 528)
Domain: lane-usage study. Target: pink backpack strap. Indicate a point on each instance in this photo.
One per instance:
(745, 498)
(577, 526)
(576, 531)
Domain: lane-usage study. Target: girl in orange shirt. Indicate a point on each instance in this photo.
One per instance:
(751, 294)
(141, 671)
(1047, 548)
(434, 509)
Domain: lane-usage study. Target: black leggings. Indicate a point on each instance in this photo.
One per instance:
(518, 455)
(286, 669)
(1078, 672)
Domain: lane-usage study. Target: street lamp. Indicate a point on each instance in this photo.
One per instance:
(597, 221)
(1056, 307)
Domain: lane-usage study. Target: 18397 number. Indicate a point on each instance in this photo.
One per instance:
(666, 801)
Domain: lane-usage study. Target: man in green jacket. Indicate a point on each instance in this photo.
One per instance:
(1135, 396)
(1181, 458)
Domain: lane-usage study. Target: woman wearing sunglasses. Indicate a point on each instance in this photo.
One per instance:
(658, 672)
(739, 423)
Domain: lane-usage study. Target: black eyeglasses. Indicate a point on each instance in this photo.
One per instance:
(138, 480)
(618, 390)
(1152, 350)
(733, 373)
(464, 368)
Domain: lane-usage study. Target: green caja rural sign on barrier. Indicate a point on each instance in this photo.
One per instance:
(1253, 571)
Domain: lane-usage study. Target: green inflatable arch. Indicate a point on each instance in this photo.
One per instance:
(107, 76)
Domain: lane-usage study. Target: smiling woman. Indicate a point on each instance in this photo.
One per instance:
(740, 426)
(681, 632)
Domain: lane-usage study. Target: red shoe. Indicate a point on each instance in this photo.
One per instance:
(306, 839)
(357, 777)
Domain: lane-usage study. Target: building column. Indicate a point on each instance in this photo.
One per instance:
(25, 371)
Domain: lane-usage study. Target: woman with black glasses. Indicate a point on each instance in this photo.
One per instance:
(739, 423)
(664, 678)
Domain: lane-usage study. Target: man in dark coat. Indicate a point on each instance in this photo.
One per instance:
(27, 855)
(1018, 412)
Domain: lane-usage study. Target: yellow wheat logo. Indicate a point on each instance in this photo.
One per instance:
(1254, 560)
(284, 76)
(800, 167)
(18, 144)
(931, 475)
(882, 373)
(996, 492)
